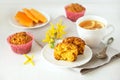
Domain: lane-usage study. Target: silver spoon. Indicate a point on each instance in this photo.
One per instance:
(103, 54)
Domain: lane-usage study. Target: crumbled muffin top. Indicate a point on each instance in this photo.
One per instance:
(75, 7)
(20, 38)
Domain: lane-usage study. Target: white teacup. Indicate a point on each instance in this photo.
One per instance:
(93, 29)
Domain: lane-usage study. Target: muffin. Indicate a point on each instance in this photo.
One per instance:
(66, 52)
(74, 11)
(69, 49)
(20, 42)
(76, 41)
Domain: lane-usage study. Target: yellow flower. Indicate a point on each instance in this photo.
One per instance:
(47, 38)
(60, 30)
(52, 31)
(29, 59)
(55, 32)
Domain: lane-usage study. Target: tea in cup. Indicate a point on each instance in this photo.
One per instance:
(93, 29)
(91, 24)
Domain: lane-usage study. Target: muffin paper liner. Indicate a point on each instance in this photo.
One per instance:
(73, 16)
(23, 48)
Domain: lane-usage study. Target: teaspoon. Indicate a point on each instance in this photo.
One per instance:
(103, 54)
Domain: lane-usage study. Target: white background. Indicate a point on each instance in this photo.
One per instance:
(11, 65)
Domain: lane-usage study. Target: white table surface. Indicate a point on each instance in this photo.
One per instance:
(11, 64)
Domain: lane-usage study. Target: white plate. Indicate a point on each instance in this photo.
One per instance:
(13, 22)
(48, 55)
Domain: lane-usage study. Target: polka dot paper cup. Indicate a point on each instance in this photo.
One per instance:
(72, 15)
(21, 48)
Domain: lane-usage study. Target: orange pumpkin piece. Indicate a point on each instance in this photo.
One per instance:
(23, 19)
(38, 15)
(30, 15)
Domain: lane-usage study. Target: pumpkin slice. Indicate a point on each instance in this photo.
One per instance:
(23, 19)
(29, 14)
(38, 15)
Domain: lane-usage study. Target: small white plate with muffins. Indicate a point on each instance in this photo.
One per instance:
(48, 55)
(29, 18)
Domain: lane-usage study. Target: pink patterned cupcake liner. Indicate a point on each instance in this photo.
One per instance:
(73, 16)
(23, 48)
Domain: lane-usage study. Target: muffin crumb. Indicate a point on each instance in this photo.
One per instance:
(20, 38)
(75, 7)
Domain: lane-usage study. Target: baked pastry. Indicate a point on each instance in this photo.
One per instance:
(69, 49)
(74, 11)
(20, 42)
(66, 51)
(20, 38)
(76, 41)
(75, 7)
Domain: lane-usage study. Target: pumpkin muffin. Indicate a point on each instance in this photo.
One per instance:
(76, 41)
(66, 51)
(74, 11)
(69, 49)
(20, 42)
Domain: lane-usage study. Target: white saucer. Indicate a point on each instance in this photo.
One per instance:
(48, 55)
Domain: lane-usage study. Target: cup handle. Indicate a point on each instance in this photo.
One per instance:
(110, 30)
